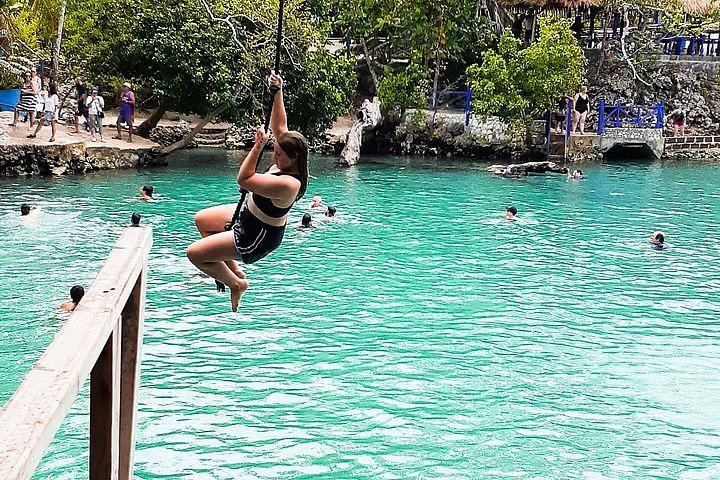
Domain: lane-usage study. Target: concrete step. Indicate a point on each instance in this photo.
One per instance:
(556, 158)
(211, 135)
(214, 129)
(207, 142)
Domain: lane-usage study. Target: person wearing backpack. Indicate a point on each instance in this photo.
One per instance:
(95, 105)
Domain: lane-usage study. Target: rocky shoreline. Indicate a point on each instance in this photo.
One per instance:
(74, 158)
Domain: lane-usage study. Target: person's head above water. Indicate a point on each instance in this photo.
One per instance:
(657, 238)
(510, 212)
(306, 220)
(77, 292)
(148, 190)
(24, 209)
(316, 201)
(135, 220)
(330, 213)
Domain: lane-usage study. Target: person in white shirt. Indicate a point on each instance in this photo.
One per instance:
(51, 104)
(36, 82)
(95, 104)
(40, 106)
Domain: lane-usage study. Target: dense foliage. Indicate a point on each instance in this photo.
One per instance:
(180, 56)
(521, 84)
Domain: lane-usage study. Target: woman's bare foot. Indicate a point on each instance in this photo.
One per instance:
(236, 293)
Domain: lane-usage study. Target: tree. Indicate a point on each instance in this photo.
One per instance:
(521, 85)
(212, 59)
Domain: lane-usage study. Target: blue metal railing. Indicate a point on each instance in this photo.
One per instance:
(700, 46)
(454, 100)
(634, 116)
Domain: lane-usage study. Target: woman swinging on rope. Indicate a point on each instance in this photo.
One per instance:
(261, 224)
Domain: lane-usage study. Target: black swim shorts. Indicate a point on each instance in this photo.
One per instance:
(254, 239)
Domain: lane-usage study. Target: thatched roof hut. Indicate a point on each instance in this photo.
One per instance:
(700, 7)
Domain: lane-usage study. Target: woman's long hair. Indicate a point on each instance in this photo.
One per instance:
(295, 146)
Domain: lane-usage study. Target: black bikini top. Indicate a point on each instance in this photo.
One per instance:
(266, 205)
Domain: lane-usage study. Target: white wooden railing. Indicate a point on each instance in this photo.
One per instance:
(101, 340)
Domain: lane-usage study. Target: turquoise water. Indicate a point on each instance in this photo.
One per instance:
(422, 336)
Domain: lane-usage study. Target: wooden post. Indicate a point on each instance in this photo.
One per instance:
(132, 327)
(105, 410)
(90, 344)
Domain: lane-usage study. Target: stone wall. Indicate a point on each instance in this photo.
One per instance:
(692, 148)
(623, 137)
(75, 158)
(692, 86)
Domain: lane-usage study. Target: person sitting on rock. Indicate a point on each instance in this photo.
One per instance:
(77, 292)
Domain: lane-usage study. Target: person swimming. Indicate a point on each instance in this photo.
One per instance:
(146, 192)
(306, 221)
(511, 213)
(28, 211)
(330, 212)
(576, 175)
(77, 292)
(316, 202)
(135, 219)
(657, 241)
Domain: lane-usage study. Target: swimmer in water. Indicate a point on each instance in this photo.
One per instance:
(306, 222)
(657, 241)
(316, 202)
(576, 175)
(135, 220)
(330, 213)
(146, 192)
(26, 210)
(511, 213)
(76, 294)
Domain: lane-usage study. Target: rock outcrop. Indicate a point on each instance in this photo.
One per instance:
(74, 158)
(368, 118)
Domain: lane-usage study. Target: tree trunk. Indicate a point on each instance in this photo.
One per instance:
(435, 87)
(369, 64)
(191, 134)
(151, 122)
(56, 53)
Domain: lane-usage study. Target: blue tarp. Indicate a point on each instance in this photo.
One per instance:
(8, 99)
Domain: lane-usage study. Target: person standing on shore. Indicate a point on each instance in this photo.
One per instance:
(678, 118)
(39, 100)
(581, 106)
(96, 105)
(127, 111)
(27, 99)
(81, 96)
(50, 113)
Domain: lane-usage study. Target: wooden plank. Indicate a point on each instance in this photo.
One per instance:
(105, 410)
(132, 325)
(33, 414)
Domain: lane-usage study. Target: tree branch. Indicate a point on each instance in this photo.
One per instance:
(227, 22)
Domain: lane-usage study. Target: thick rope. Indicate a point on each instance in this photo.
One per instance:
(273, 90)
